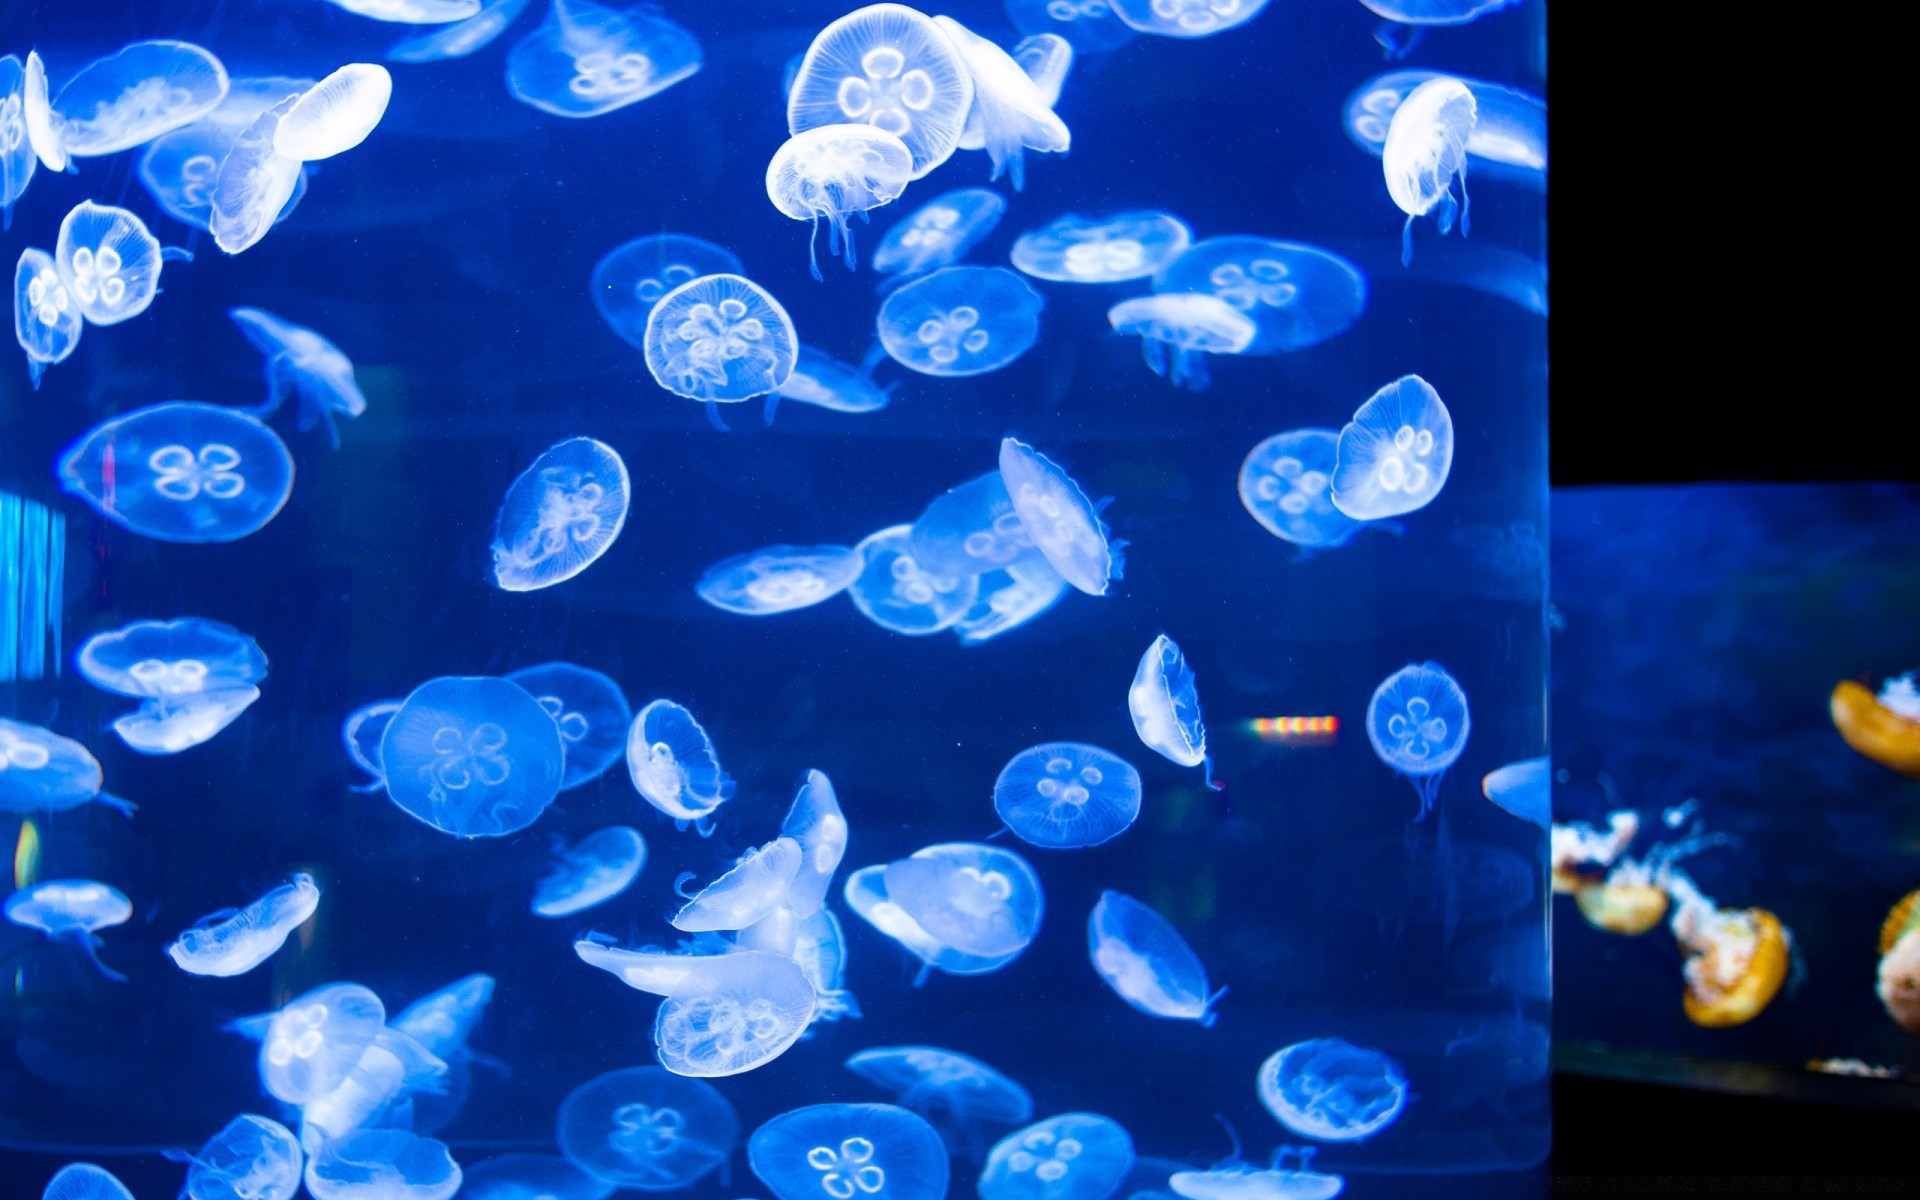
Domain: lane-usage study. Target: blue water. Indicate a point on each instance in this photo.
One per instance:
(449, 257)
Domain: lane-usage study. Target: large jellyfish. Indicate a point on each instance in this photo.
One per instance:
(895, 592)
(181, 472)
(1107, 249)
(251, 1158)
(1524, 789)
(939, 233)
(1426, 148)
(109, 262)
(254, 185)
(720, 338)
(778, 579)
(1064, 524)
(673, 764)
(382, 1164)
(955, 1089)
(591, 872)
(46, 316)
(136, 94)
(589, 709)
(1090, 26)
(737, 1012)
(304, 363)
(585, 60)
(457, 40)
(85, 1181)
(195, 676)
(1296, 295)
(1009, 598)
(334, 115)
(71, 910)
(823, 381)
(1418, 724)
(234, 941)
(979, 900)
(472, 756)
(1066, 795)
(45, 130)
(746, 893)
(888, 66)
(647, 1129)
(1012, 111)
(833, 171)
(1074, 1156)
(632, 277)
(1332, 1090)
(1180, 329)
(531, 1176)
(960, 321)
(40, 771)
(1394, 456)
(560, 515)
(361, 732)
(1147, 963)
(846, 1151)
(970, 529)
(1166, 708)
(1509, 138)
(17, 159)
(178, 169)
(1187, 18)
(1286, 484)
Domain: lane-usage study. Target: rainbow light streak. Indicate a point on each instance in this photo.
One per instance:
(1295, 731)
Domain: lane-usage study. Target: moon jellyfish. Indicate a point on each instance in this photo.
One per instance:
(720, 338)
(737, 1012)
(411, 12)
(1435, 12)
(84, 1181)
(940, 232)
(560, 515)
(843, 1151)
(866, 893)
(673, 764)
(814, 821)
(457, 40)
(1241, 1182)
(1090, 26)
(1074, 1156)
(1509, 136)
(1394, 456)
(823, 381)
(181, 472)
(45, 129)
(40, 771)
(1296, 295)
(254, 184)
(960, 321)
(1147, 963)
(251, 1158)
(382, 1164)
(1166, 708)
(1064, 524)
(1009, 598)
(591, 872)
(820, 949)
(1286, 484)
(1418, 724)
(336, 114)
(778, 579)
(195, 675)
(895, 592)
(585, 60)
(136, 94)
(234, 941)
(632, 277)
(1185, 327)
(1187, 18)
(179, 168)
(472, 756)
(1426, 148)
(589, 709)
(981, 901)
(747, 892)
(1524, 789)
(647, 1129)
(832, 171)
(46, 317)
(1332, 1090)
(304, 363)
(361, 732)
(70, 911)
(109, 262)
(310, 1044)
(1127, 245)
(1011, 111)
(890, 67)
(531, 1177)
(1067, 795)
(17, 159)
(944, 1084)
(442, 1020)
(970, 529)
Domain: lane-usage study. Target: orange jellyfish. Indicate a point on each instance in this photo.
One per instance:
(1885, 728)
(1629, 901)
(1899, 976)
(1736, 957)
(1578, 850)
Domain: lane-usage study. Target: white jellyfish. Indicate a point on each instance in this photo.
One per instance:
(736, 1012)
(891, 67)
(720, 338)
(234, 941)
(1166, 708)
(748, 892)
(136, 94)
(833, 171)
(1191, 325)
(1426, 148)
(585, 60)
(46, 131)
(336, 114)
(109, 262)
(1394, 456)
(1012, 112)
(46, 318)
(254, 183)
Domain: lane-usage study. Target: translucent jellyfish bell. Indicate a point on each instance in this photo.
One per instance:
(461, 38)
(251, 1158)
(1394, 456)
(1524, 789)
(1426, 148)
(585, 60)
(17, 159)
(45, 129)
(944, 1084)
(361, 732)
(71, 910)
(980, 900)
(1009, 598)
(411, 12)
(1186, 18)
(336, 114)
(310, 1044)
(1286, 484)
(823, 381)
(136, 94)
(254, 183)
(738, 1012)
(591, 872)
(1064, 524)
(382, 1164)
(110, 263)
(40, 771)
(673, 764)
(815, 822)
(632, 277)
(230, 942)
(560, 515)
(1332, 1090)
(1418, 724)
(844, 1151)
(181, 472)
(1183, 327)
(1147, 963)
(960, 321)
(970, 529)
(1106, 249)
(833, 171)
(647, 1129)
(1246, 1183)
(778, 579)
(442, 1020)
(531, 1177)
(84, 1181)
(179, 169)
(1074, 1156)
(304, 363)
(1296, 295)
(866, 894)
(591, 712)
(720, 338)
(46, 316)
(940, 232)
(1091, 26)
(473, 756)
(748, 891)
(1067, 795)
(1166, 707)
(895, 592)
(1509, 138)
(891, 67)
(1010, 109)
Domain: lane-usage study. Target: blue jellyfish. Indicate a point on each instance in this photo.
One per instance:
(36, 112)
(820, 949)
(944, 1085)
(334, 115)
(84, 1181)
(109, 262)
(46, 317)
(1237, 1181)
(1108, 249)
(71, 910)
(310, 1044)
(1187, 18)
(304, 363)
(1286, 484)
(254, 184)
(17, 159)
(1394, 456)
(136, 94)
(844, 1151)
(1009, 598)
(1509, 138)
(172, 724)
(632, 277)
(1425, 150)
(181, 472)
(1147, 963)
(736, 1012)
(960, 321)
(361, 732)
(1067, 795)
(1065, 526)
(1332, 1090)
(589, 709)
(585, 60)
(651, 969)
(778, 579)
(824, 381)
(1296, 295)
(1418, 724)
(890, 67)
(1166, 708)
(234, 941)
(673, 764)
(1182, 328)
(382, 1164)
(560, 515)
(179, 168)
(720, 338)
(939, 233)
(969, 530)
(895, 592)
(251, 1158)
(866, 893)
(980, 900)
(647, 1129)
(195, 676)
(834, 171)
(746, 893)
(472, 756)
(1074, 1156)
(593, 871)
(530, 1176)
(1524, 789)
(40, 771)
(457, 40)
(815, 822)
(1047, 58)
(442, 1020)
(1091, 26)
(1012, 112)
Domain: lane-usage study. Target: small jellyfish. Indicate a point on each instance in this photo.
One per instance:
(1296, 295)
(137, 93)
(254, 184)
(232, 942)
(586, 60)
(40, 771)
(1426, 148)
(1166, 708)
(1067, 795)
(1524, 789)
(195, 676)
(673, 764)
(85, 1181)
(970, 529)
(960, 321)
(888, 66)
(179, 169)
(632, 277)
(746, 893)
(1332, 1090)
(17, 159)
(382, 1164)
(361, 732)
(71, 910)
(1011, 111)
(1064, 524)
(1241, 1182)
(1394, 456)
(592, 871)
(1109, 249)
(457, 40)
(738, 1012)
(251, 1158)
(834, 171)
(472, 756)
(1183, 327)
(1286, 484)
(45, 129)
(1509, 138)
(895, 592)
(1009, 598)
(1147, 963)
(1074, 1156)
(304, 363)
(531, 1176)
(720, 338)
(1091, 26)
(944, 1085)
(816, 823)
(334, 115)
(980, 900)
(109, 262)
(560, 515)
(778, 579)
(847, 1151)
(647, 1129)
(939, 233)
(442, 1020)
(589, 709)
(824, 381)
(1418, 724)
(46, 316)
(1186, 18)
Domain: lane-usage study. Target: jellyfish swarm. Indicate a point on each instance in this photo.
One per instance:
(632, 277)
(1736, 957)
(1296, 295)
(1147, 963)
(531, 1177)
(720, 338)
(895, 592)
(1089, 26)
(46, 317)
(181, 472)
(1332, 1090)
(960, 321)
(832, 171)
(1186, 18)
(1184, 327)
(1065, 526)
(1897, 980)
(939, 233)
(586, 60)
(778, 579)
(888, 66)
(334, 115)
(589, 709)
(986, 899)
(955, 1089)
(304, 363)
(747, 893)
(109, 262)
(194, 677)
(593, 871)
(84, 1181)
(1509, 138)
(823, 381)
(251, 1158)
(1418, 722)
(733, 1013)
(137, 93)
(647, 1129)
(17, 159)
(254, 184)
(672, 763)
(1426, 148)
(843, 1151)
(560, 515)
(1108, 249)
(1074, 1156)
(179, 169)
(1286, 484)
(1524, 789)
(1067, 795)
(473, 756)
(1394, 456)
(382, 1164)
(40, 771)
(1884, 728)
(70, 911)
(1012, 112)
(232, 942)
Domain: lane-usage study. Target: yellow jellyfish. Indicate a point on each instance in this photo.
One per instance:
(1899, 976)
(1885, 728)
(1629, 901)
(1578, 850)
(1736, 957)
